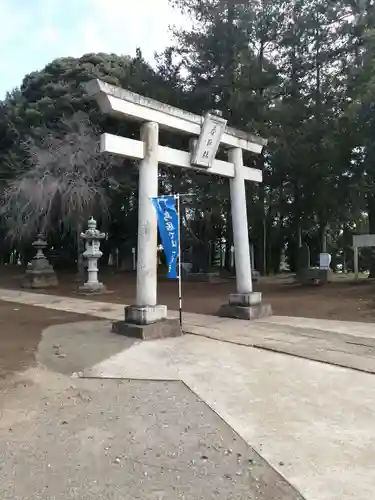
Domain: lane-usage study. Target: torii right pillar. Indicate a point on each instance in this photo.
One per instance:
(245, 303)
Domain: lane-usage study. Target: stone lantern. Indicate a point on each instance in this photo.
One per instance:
(39, 272)
(92, 237)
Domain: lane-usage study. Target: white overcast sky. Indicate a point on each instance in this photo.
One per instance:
(33, 32)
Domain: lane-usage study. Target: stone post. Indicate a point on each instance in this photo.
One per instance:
(92, 237)
(146, 294)
(39, 272)
(244, 304)
(240, 226)
(146, 319)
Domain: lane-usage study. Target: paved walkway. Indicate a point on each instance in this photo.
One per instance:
(312, 421)
(346, 344)
(65, 439)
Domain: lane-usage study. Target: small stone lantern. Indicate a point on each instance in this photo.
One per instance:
(39, 272)
(92, 237)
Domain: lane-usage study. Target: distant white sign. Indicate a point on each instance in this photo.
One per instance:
(364, 240)
(209, 140)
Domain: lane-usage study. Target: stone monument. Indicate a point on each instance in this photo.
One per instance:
(312, 275)
(361, 240)
(39, 272)
(92, 237)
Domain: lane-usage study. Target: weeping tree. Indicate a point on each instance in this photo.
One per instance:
(67, 180)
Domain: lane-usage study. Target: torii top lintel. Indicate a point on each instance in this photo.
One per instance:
(115, 100)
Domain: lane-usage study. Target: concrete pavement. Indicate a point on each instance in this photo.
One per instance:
(67, 439)
(347, 344)
(312, 421)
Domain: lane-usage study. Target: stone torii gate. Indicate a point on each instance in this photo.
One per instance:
(146, 318)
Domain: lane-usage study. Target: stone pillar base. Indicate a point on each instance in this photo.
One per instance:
(246, 306)
(92, 288)
(147, 323)
(160, 330)
(40, 278)
(145, 315)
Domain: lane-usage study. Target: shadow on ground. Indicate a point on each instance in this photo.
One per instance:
(70, 348)
(21, 330)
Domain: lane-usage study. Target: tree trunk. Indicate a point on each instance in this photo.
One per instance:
(277, 250)
(371, 222)
(334, 261)
(200, 257)
(228, 239)
(228, 247)
(323, 236)
(267, 238)
(297, 223)
(261, 246)
(260, 164)
(80, 277)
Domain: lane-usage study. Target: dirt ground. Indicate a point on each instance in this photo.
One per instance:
(20, 333)
(343, 299)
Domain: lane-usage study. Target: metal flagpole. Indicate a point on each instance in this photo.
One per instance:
(178, 198)
(179, 261)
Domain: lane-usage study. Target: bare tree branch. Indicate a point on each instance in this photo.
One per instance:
(68, 180)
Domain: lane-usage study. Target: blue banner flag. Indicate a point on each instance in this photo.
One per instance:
(165, 207)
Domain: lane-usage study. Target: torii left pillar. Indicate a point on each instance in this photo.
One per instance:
(147, 319)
